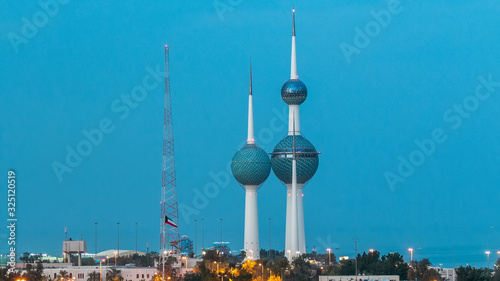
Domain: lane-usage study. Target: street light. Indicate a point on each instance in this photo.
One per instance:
(118, 232)
(115, 258)
(329, 256)
(100, 269)
(95, 237)
(411, 254)
(262, 271)
(488, 257)
(371, 251)
(163, 271)
(184, 258)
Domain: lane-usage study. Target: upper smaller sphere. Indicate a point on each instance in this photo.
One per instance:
(294, 91)
(251, 165)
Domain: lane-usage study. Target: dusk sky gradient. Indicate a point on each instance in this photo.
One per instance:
(361, 115)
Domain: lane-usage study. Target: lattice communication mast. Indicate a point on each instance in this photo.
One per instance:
(169, 235)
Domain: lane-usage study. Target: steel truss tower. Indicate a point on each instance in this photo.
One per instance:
(169, 235)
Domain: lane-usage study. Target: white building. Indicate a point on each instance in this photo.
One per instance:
(359, 278)
(447, 274)
(82, 272)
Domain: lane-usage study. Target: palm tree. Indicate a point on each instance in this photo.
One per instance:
(63, 274)
(114, 274)
(94, 276)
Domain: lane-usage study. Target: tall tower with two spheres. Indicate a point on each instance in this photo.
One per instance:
(294, 146)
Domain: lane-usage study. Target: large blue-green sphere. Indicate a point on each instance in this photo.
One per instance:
(306, 155)
(294, 92)
(251, 165)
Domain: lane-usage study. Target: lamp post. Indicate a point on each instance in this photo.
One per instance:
(163, 271)
(203, 234)
(262, 271)
(184, 258)
(488, 257)
(118, 233)
(195, 238)
(221, 233)
(136, 238)
(269, 253)
(95, 224)
(100, 269)
(411, 254)
(329, 256)
(115, 258)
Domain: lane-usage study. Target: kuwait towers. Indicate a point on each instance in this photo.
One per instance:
(294, 160)
(251, 167)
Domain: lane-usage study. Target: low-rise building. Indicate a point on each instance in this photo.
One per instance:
(81, 273)
(359, 278)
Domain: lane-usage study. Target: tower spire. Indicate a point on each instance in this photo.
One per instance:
(250, 138)
(293, 71)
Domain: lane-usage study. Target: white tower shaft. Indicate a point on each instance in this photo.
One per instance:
(300, 219)
(293, 109)
(293, 119)
(293, 70)
(251, 238)
(250, 138)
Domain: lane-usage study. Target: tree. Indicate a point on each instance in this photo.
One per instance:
(27, 258)
(94, 276)
(34, 273)
(301, 269)
(274, 278)
(114, 274)
(473, 274)
(192, 277)
(418, 268)
(431, 275)
(63, 274)
(496, 276)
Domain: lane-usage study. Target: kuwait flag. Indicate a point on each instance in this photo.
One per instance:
(170, 222)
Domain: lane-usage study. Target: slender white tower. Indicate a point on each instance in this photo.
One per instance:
(294, 93)
(251, 167)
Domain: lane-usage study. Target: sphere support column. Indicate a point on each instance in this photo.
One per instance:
(300, 218)
(251, 223)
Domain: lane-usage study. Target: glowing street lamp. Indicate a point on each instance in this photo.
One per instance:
(411, 254)
(329, 256)
(184, 258)
(371, 251)
(488, 257)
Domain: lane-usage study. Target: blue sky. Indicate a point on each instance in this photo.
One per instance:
(364, 112)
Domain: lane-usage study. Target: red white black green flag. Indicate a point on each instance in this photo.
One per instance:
(170, 222)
